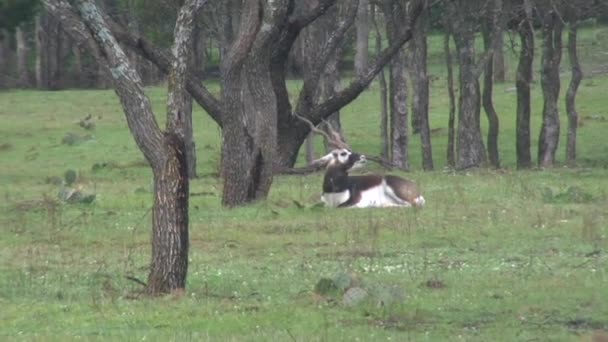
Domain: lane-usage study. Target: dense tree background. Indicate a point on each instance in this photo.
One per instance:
(335, 48)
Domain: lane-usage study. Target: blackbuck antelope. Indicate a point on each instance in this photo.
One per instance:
(345, 191)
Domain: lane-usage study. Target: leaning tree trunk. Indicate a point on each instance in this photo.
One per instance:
(577, 76)
(22, 57)
(165, 151)
(420, 90)
(523, 81)
(451, 146)
(551, 58)
(470, 151)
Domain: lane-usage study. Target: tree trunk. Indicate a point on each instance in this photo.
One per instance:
(420, 90)
(169, 265)
(577, 76)
(248, 136)
(397, 83)
(77, 71)
(470, 151)
(384, 136)
(189, 139)
(329, 86)
(42, 52)
(22, 57)
(499, 66)
(451, 147)
(523, 81)
(165, 151)
(491, 30)
(4, 59)
(54, 48)
(362, 45)
(551, 58)
(250, 107)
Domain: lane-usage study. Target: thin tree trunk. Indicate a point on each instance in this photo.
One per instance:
(523, 81)
(42, 52)
(54, 48)
(451, 147)
(488, 106)
(552, 52)
(22, 57)
(420, 90)
(490, 32)
(500, 68)
(77, 71)
(362, 45)
(4, 59)
(330, 85)
(384, 136)
(577, 76)
(397, 83)
(189, 138)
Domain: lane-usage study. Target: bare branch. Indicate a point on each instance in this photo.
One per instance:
(352, 91)
(163, 61)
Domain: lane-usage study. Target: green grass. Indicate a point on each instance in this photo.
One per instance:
(495, 255)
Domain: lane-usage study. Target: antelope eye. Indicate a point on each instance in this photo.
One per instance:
(343, 154)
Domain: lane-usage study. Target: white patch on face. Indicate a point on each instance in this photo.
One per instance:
(341, 155)
(334, 199)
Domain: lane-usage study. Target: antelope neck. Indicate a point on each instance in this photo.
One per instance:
(336, 180)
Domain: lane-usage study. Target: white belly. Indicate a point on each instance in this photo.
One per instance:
(380, 196)
(334, 199)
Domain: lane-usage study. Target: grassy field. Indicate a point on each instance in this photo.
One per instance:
(496, 255)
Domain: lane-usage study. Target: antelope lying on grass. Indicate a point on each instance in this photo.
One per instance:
(342, 190)
(345, 191)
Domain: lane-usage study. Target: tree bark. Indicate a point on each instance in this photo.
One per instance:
(420, 90)
(4, 59)
(499, 66)
(384, 136)
(249, 121)
(22, 57)
(170, 241)
(470, 150)
(551, 58)
(362, 41)
(577, 76)
(42, 52)
(451, 146)
(490, 32)
(523, 81)
(165, 151)
(397, 83)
